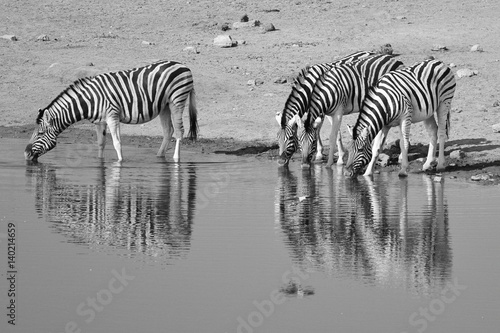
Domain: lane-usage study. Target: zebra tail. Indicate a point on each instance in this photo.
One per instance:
(193, 116)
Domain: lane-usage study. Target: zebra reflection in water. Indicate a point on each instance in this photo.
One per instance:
(373, 231)
(152, 216)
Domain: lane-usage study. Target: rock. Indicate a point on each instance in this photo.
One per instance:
(401, 17)
(255, 82)
(480, 177)
(496, 128)
(386, 49)
(457, 154)
(466, 72)
(43, 38)
(147, 43)
(269, 27)
(244, 18)
(383, 160)
(437, 47)
(452, 65)
(9, 37)
(280, 80)
(496, 103)
(249, 24)
(223, 41)
(241, 42)
(429, 57)
(225, 26)
(191, 49)
(476, 48)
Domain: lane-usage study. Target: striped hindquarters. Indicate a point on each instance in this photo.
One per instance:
(141, 93)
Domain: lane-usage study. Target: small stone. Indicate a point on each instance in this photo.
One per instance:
(457, 154)
(386, 49)
(249, 24)
(147, 43)
(241, 42)
(401, 17)
(480, 177)
(244, 18)
(225, 27)
(476, 48)
(437, 47)
(89, 64)
(280, 80)
(9, 37)
(251, 83)
(269, 27)
(223, 41)
(496, 103)
(466, 72)
(191, 49)
(429, 57)
(43, 38)
(452, 65)
(496, 128)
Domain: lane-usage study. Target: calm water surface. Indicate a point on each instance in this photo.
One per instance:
(211, 245)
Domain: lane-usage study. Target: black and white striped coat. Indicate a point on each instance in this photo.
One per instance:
(132, 96)
(340, 91)
(298, 101)
(400, 98)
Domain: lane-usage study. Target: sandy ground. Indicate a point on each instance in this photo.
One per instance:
(87, 37)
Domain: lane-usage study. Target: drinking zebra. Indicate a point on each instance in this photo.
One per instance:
(298, 100)
(403, 97)
(133, 96)
(340, 91)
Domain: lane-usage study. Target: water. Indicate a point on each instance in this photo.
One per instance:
(207, 245)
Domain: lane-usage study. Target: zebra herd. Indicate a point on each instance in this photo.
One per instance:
(377, 86)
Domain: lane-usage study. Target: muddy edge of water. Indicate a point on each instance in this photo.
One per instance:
(481, 157)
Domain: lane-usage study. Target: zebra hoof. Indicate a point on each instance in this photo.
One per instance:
(403, 174)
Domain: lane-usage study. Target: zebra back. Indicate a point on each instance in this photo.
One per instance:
(346, 85)
(425, 84)
(298, 99)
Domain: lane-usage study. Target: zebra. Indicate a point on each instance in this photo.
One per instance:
(403, 97)
(132, 96)
(298, 101)
(340, 91)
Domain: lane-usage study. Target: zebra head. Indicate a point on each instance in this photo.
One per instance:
(287, 141)
(359, 153)
(309, 138)
(43, 138)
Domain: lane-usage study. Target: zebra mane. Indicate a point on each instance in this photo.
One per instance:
(76, 85)
(356, 129)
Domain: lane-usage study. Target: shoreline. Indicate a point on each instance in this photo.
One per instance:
(476, 166)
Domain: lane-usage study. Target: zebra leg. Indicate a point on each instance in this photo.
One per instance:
(319, 145)
(341, 149)
(114, 129)
(376, 146)
(432, 128)
(100, 129)
(404, 144)
(178, 130)
(443, 114)
(336, 122)
(167, 128)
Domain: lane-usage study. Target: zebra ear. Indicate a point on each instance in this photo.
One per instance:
(349, 130)
(40, 115)
(278, 118)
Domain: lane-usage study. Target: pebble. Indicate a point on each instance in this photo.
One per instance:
(386, 49)
(223, 41)
(268, 27)
(248, 24)
(147, 43)
(457, 154)
(476, 48)
(9, 37)
(480, 177)
(191, 49)
(496, 128)
(43, 38)
(496, 103)
(466, 72)
(437, 47)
